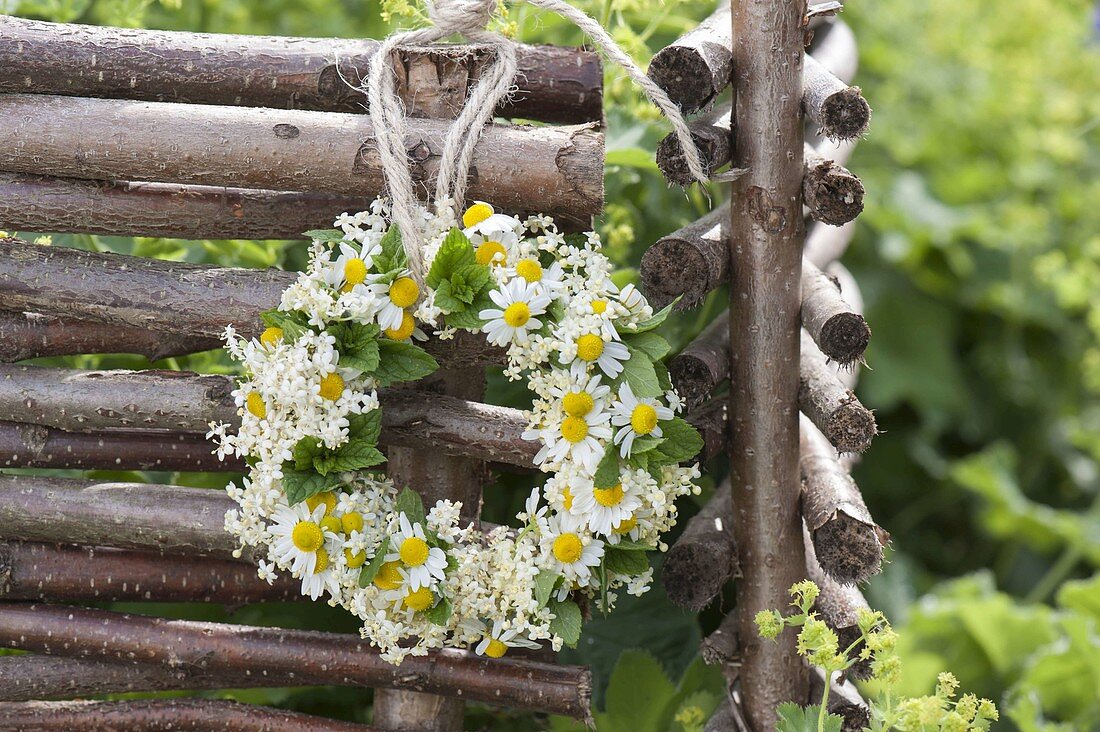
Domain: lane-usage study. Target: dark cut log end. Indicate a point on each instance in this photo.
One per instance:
(833, 194)
(849, 550)
(686, 77)
(694, 574)
(852, 427)
(845, 115)
(844, 337)
(714, 149)
(693, 378)
(673, 267)
(853, 717)
(861, 669)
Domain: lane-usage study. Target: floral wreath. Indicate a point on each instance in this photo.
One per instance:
(604, 411)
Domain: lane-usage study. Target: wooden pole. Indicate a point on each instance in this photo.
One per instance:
(767, 233)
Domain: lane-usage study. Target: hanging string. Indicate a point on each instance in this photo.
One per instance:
(469, 18)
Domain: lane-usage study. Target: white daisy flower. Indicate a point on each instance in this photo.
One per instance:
(518, 301)
(298, 536)
(350, 267)
(421, 565)
(608, 354)
(494, 236)
(547, 279)
(410, 601)
(578, 438)
(606, 508)
(324, 577)
(497, 642)
(393, 297)
(636, 417)
(570, 553)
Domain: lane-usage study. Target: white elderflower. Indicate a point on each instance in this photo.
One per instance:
(518, 303)
(606, 508)
(422, 565)
(636, 417)
(497, 642)
(569, 553)
(298, 537)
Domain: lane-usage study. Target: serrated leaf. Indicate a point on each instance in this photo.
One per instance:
(625, 562)
(475, 276)
(440, 613)
(445, 299)
(633, 546)
(793, 718)
(294, 325)
(639, 693)
(352, 337)
(656, 319)
(466, 319)
(366, 426)
(302, 484)
(679, 442)
(370, 571)
(402, 362)
(409, 503)
(544, 586)
(607, 472)
(392, 257)
(304, 451)
(455, 251)
(365, 359)
(354, 455)
(567, 621)
(650, 344)
(639, 373)
(328, 236)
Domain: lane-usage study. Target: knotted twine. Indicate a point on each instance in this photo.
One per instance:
(469, 18)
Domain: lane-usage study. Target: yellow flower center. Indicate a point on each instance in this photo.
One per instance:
(332, 386)
(567, 548)
(589, 347)
(643, 419)
(414, 551)
(351, 521)
(578, 403)
(419, 599)
(490, 252)
(322, 561)
(355, 272)
(331, 523)
(574, 429)
(271, 336)
(405, 331)
(495, 649)
(355, 561)
(388, 578)
(476, 214)
(517, 314)
(307, 536)
(567, 498)
(599, 306)
(609, 497)
(626, 525)
(328, 498)
(255, 404)
(403, 292)
(529, 270)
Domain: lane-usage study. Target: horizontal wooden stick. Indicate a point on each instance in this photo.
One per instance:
(827, 244)
(554, 84)
(52, 573)
(695, 567)
(561, 168)
(178, 299)
(836, 327)
(318, 657)
(156, 715)
(839, 110)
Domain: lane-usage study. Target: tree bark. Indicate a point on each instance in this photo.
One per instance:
(688, 263)
(766, 233)
(162, 715)
(704, 557)
(848, 542)
(317, 657)
(555, 84)
(839, 606)
(839, 110)
(835, 326)
(52, 573)
(560, 168)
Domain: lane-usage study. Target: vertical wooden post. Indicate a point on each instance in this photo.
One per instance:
(434, 476)
(766, 240)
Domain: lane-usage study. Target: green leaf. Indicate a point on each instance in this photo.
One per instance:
(305, 450)
(455, 251)
(655, 320)
(607, 472)
(392, 257)
(544, 586)
(793, 718)
(633, 546)
(352, 337)
(476, 276)
(446, 300)
(328, 236)
(354, 455)
(663, 378)
(624, 561)
(302, 484)
(410, 504)
(440, 613)
(638, 694)
(639, 373)
(293, 324)
(366, 426)
(466, 319)
(366, 360)
(650, 344)
(679, 442)
(402, 362)
(370, 571)
(567, 621)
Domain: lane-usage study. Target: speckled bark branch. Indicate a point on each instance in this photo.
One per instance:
(51, 573)
(161, 715)
(327, 152)
(174, 298)
(839, 110)
(832, 194)
(831, 405)
(343, 659)
(838, 329)
(839, 606)
(705, 555)
(848, 542)
(827, 244)
(554, 84)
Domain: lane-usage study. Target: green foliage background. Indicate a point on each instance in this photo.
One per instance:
(979, 258)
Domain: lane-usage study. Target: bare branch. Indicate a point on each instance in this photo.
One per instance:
(839, 110)
(839, 606)
(838, 329)
(705, 555)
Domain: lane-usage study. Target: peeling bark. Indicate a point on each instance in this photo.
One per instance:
(319, 657)
(836, 327)
(554, 84)
(848, 542)
(327, 152)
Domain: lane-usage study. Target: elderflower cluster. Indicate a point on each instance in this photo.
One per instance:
(604, 414)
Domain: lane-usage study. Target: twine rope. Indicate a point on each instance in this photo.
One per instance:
(469, 18)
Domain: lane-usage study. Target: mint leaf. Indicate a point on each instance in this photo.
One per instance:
(566, 622)
(392, 257)
(663, 378)
(455, 251)
(655, 320)
(370, 571)
(475, 276)
(650, 344)
(410, 504)
(679, 442)
(633, 546)
(293, 324)
(402, 362)
(440, 613)
(305, 450)
(607, 472)
(352, 337)
(302, 484)
(625, 562)
(366, 426)
(638, 371)
(355, 455)
(328, 236)
(466, 319)
(544, 586)
(365, 359)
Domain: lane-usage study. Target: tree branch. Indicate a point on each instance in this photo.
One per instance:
(839, 110)
(323, 152)
(317, 658)
(839, 606)
(838, 329)
(555, 84)
(704, 558)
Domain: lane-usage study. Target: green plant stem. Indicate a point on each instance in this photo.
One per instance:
(1057, 573)
(824, 702)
